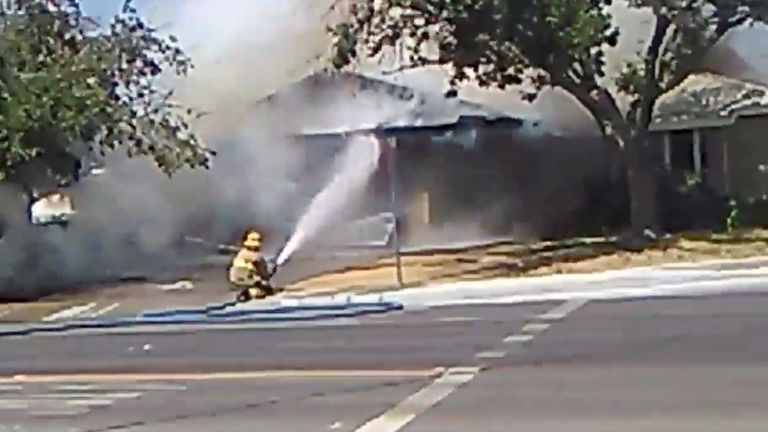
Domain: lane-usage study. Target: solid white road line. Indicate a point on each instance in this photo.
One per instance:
(419, 402)
(70, 312)
(564, 309)
(214, 376)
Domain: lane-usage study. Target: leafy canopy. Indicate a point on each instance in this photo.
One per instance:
(559, 43)
(68, 88)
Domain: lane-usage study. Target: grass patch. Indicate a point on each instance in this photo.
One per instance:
(507, 259)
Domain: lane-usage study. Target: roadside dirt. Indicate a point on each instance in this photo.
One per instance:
(515, 260)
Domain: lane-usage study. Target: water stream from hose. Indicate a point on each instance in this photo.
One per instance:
(354, 169)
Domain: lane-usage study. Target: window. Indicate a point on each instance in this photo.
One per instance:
(683, 151)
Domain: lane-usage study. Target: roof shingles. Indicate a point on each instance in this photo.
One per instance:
(708, 100)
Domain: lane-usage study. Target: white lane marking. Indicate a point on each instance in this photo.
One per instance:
(102, 311)
(491, 354)
(82, 395)
(459, 319)
(117, 388)
(90, 402)
(44, 403)
(75, 387)
(11, 405)
(70, 312)
(155, 387)
(398, 417)
(518, 338)
(534, 328)
(212, 376)
(11, 388)
(59, 413)
(564, 309)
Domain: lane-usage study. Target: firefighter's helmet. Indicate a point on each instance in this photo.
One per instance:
(252, 240)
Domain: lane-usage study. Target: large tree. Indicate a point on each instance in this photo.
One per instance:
(70, 87)
(554, 43)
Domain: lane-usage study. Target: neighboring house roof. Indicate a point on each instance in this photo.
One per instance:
(342, 102)
(708, 100)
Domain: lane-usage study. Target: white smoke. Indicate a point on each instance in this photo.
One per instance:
(132, 217)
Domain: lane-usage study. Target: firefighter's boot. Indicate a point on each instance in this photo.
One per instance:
(243, 296)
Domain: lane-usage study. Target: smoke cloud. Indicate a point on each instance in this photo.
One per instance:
(132, 217)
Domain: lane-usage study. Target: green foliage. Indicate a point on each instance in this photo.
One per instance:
(691, 182)
(541, 43)
(68, 88)
(557, 43)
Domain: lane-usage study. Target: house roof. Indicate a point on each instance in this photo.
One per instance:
(708, 100)
(343, 102)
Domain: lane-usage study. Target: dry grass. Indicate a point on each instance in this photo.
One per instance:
(511, 260)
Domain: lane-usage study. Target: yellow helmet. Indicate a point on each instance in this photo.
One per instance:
(252, 240)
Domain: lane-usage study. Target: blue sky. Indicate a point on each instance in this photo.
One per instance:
(106, 8)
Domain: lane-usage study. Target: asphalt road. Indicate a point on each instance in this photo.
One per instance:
(652, 365)
(208, 285)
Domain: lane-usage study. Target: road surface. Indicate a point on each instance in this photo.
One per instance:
(650, 365)
(206, 284)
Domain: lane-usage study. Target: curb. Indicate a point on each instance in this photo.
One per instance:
(243, 316)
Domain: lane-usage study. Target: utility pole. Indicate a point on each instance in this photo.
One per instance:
(391, 165)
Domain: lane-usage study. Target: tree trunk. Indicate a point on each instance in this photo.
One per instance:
(641, 185)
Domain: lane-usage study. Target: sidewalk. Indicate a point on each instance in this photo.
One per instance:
(685, 279)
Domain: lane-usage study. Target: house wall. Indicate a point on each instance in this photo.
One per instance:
(504, 185)
(747, 149)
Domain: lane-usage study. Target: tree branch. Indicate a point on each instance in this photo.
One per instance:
(410, 66)
(652, 89)
(601, 105)
(726, 23)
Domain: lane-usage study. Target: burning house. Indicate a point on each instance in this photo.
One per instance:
(459, 164)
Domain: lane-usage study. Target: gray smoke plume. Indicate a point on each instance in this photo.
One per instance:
(132, 218)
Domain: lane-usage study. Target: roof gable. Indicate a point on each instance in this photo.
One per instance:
(339, 102)
(708, 100)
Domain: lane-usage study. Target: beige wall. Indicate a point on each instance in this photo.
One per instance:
(747, 148)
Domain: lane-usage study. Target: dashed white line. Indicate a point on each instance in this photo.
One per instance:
(10, 405)
(535, 328)
(59, 413)
(103, 311)
(10, 388)
(80, 395)
(70, 312)
(491, 354)
(75, 387)
(419, 402)
(564, 309)
(90, 402)
(459, 319)
(518, 338)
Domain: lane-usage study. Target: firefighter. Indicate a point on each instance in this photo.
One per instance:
(249, 272)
